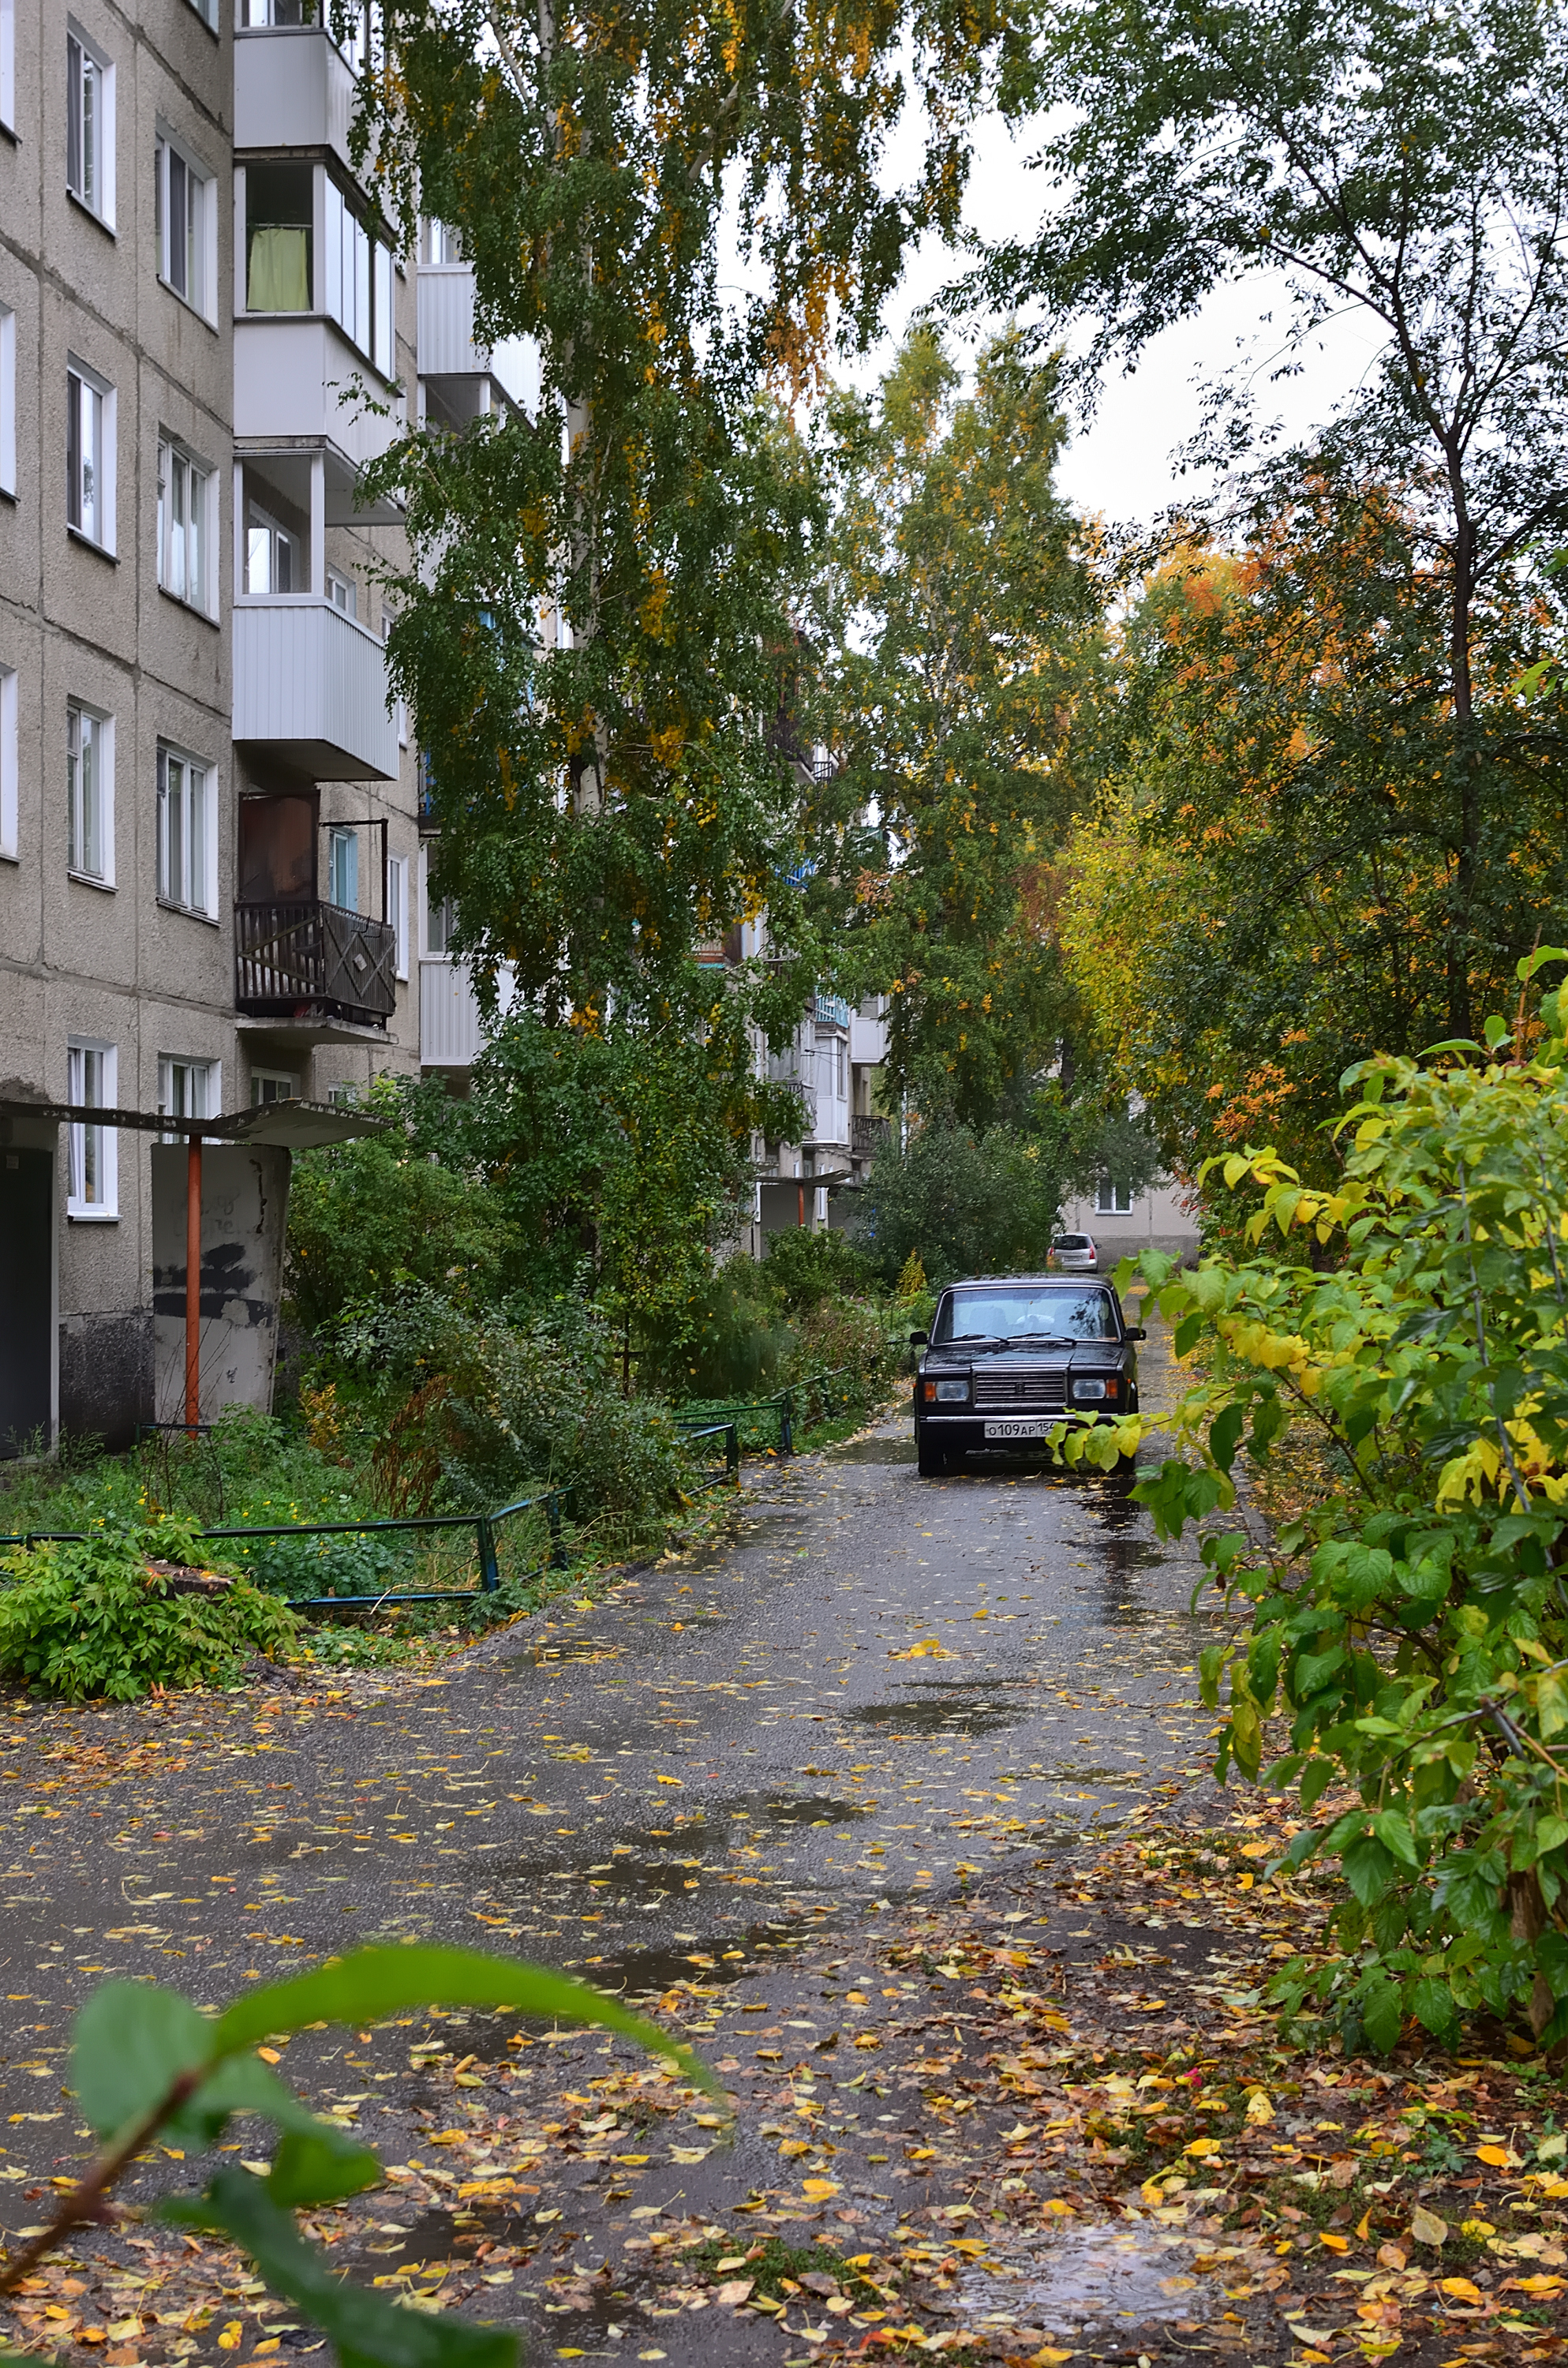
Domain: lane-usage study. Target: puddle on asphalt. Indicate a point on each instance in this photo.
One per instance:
(941, 1707)
(1081, 2280)
(816, 1809)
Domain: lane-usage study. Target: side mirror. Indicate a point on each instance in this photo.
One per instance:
(1137, 1333)
(919, 1339)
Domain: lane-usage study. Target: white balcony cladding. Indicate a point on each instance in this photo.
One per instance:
(451, 1032)
(868, 1040)
(447, 349)
(797, 1066)
(292, 89)
(310, 685)
(833, 1085)
(295, 377)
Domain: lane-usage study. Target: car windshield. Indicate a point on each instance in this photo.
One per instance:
(1074, 1242)
(1003, 1314)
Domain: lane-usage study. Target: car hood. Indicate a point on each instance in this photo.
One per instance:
(1082, 1353)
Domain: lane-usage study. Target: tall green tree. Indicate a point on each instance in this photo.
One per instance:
(1391, 161)
(962, 609)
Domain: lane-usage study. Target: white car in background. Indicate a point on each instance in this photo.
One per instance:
(1074, 1254)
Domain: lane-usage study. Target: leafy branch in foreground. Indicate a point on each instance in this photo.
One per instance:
(147, 2061)
(1412, 1629)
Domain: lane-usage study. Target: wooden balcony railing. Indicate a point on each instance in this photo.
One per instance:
(305, 956)
(867, 1135)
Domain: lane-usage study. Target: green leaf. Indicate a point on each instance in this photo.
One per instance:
(1188, 1332)
(1384, 2017)
(320, 2165)
(1393, 1830)
(1224, 1435)
(359, 2324)
(132, 2042)
(1367, 1867)
(376, 1982)
(1432, 2004)
(1316, 1778)
(1550, 1833)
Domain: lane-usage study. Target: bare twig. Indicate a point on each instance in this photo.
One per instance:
(87, 2200)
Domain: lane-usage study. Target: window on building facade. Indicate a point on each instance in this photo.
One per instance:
(279, 215)
(343, 592)
(1112, 1199)
(188, 1088)
(343, 869)
(397, 909)
(357, 280)
(89, 768)
(438, 919)
(186, 224)
(439, 243)
(89, 456)
(208, 12)
(273, 554)
(91, 1081)
(184, 528)
(187, 834)
(10, 759)
(272, 1085)
(89, 125)
(8, 396)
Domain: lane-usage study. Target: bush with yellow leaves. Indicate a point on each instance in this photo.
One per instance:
(1411, 1631)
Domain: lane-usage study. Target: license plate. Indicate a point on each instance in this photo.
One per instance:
(1036, 1428)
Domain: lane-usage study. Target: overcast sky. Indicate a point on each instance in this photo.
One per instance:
(1121, 464)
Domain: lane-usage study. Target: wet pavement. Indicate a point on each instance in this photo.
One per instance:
(867, 1694)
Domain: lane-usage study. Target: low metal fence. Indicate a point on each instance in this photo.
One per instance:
(794, 1403)
(729, 1433)
(485, 1527)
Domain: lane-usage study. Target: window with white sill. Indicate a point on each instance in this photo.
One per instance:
(397, 909)
(343, 592)
(188, 1088)
(8, 395)
(343, 869)
(1112, 1199)
(89, 124)
(187, 217)
(10, 759)
(89, 455)
(89, 778)
(272, 1085)
(186, 539)
(187, 833)
(93, 1150)
(8, 65)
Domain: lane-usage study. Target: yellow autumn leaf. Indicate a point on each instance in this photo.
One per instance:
(1460, 2290)
(1498, 2157)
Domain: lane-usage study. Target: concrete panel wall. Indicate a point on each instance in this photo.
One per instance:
(245, 1203)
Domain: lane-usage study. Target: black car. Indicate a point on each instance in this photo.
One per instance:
(1006, 1357)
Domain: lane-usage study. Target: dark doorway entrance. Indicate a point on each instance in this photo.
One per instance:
(27, 1218)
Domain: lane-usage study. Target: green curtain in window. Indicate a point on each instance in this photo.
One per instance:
(280, 268)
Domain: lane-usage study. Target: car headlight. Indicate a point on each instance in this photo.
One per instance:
(1090, 1390)
(953, 1393)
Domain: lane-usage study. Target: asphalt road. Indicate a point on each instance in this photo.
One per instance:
(869, 1690)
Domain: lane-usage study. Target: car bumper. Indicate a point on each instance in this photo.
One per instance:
(964, 1433)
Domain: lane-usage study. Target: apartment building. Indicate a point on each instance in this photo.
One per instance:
(207, 803)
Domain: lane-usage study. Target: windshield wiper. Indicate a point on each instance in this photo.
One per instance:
(1051, 1340)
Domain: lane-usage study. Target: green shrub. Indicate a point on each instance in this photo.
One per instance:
(1410, 1632)
(803, 1269)
(961, 1203)
(730, 1345)
(93, 1618)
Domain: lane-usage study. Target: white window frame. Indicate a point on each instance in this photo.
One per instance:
(200, 525)
(94, 186)
(178, 1072)
(201, 290)
(198, 792)
(428, 950)
(342, 834)
(397, 909)
(89, 1146)
(285, 1078)
(77, 713)
(208, 12)
(8, 65)
(1112, 1199)
(357, 279)
(10, 760)
(81, 379)
(8, 390)
(343, 591)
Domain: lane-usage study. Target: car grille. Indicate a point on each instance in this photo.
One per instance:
(1039, 1385)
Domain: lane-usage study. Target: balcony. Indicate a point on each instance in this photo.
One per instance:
(296, 375)
(310, 688)
(293, 89)
(867, 1135)
(302, 959)
(447, 347)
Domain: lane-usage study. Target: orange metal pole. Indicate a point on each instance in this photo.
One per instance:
(801, 1201)
(193, 1283)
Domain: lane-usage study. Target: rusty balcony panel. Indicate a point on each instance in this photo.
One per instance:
(306, 956)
